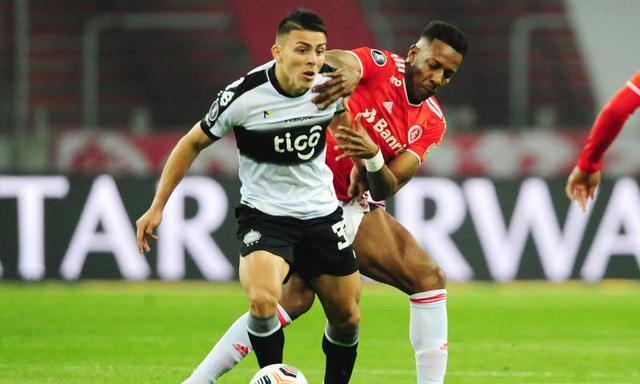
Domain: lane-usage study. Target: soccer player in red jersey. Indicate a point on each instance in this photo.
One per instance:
(585, 177)
(398, 123)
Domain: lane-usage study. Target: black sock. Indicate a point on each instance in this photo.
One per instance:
(268, 348)
(340, 362)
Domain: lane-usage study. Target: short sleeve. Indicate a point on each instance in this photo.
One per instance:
(424, 137)
(227, 111)
(373, 61)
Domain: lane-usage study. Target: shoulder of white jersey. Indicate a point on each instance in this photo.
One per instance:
(253, 79)
(263, 67)
(231, 93)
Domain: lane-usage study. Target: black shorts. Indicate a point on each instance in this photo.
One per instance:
(312, 247)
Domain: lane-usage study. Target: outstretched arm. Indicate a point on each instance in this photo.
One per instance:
(175, 169)
(585, 177)
(608, 124)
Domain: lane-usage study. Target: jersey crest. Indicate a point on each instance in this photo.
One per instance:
(415, 133)
(213, 112)
(378, 57)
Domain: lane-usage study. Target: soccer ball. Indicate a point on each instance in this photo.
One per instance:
(278, 374)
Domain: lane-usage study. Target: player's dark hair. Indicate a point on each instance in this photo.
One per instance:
(447, 33)
(302, 20)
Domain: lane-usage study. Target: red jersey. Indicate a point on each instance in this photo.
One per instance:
(391, 120)
(609, 123)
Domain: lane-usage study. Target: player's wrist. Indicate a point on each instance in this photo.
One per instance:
(375, 163)
(586, 166)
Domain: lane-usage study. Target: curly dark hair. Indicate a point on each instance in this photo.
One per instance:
(448, 33)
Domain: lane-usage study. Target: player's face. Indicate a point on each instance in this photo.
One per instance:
(432, 65)
(299, 56)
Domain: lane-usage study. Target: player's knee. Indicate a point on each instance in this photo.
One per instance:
(263, 302)
(434, 278)
(353, 319)
(427, 278)
(348, 320)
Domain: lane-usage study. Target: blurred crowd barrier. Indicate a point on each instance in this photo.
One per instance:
(500, 154)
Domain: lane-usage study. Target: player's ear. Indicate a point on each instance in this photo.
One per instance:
(413, 51)
(275, 51)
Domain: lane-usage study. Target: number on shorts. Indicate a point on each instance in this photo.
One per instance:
(340, 229)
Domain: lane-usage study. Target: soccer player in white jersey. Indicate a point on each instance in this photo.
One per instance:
(401, 123)
(288, 219)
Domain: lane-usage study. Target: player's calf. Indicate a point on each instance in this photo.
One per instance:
(428, 334)
(340, 348)
(261, 276)
(263, 325)
(340, 345)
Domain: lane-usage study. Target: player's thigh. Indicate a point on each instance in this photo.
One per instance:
(267, 246)
(262, 273)
(340, 296)
(387, 252)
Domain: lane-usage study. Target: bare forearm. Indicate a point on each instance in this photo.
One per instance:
(175, 169)
(332, 58)
(342, 59)
(382, 184)
(392, 176)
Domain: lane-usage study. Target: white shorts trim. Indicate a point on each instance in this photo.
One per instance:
(352, 212)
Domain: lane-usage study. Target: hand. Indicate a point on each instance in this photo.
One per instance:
(342, 83)
(145, 226)
(581, 186)
(355, 144)
(357, 182)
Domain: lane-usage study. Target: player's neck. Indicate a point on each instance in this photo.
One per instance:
(408, 79)
(286, 83)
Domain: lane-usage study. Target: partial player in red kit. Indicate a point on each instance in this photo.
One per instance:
(397, 122)
(585, 177)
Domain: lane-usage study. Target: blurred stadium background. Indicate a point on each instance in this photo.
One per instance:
(95, 93)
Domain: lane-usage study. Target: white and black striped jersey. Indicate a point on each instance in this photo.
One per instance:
(281, 142)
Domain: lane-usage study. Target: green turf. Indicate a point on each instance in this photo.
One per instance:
(108, 332)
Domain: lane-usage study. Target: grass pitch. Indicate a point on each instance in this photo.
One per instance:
(156, 332)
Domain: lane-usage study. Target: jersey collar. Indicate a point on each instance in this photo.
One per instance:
(271, 75)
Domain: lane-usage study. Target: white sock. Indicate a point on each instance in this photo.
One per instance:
(229, 350)
(428, 333)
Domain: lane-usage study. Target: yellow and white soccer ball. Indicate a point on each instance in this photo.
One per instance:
(278, 374)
